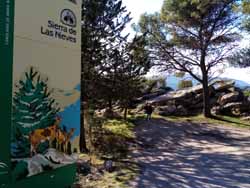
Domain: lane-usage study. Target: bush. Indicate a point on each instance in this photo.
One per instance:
(247, 93)
(111, 140)
(179, 74)
(154, 83)
(185, 84)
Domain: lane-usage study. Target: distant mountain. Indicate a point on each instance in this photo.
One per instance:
(173, 81)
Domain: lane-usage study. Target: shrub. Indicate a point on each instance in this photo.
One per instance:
(154, 83)
(179, 74)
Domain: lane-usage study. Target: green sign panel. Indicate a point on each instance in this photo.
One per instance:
(40, 86)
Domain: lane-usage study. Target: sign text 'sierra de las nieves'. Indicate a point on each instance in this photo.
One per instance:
(59, 32)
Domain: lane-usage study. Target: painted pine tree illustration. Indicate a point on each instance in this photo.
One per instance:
(33, 108)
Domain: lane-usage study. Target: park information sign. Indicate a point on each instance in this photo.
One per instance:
(40, 42)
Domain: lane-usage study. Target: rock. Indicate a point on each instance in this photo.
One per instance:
(83, 167)
(223, 85)
(216, 110)
(225, 98)
(163, 113)
(107, 113)
(154, 94)
(230, 97)
(177, 95)
(199, 97)
(234, 108)
(232, 89)
(168, 109)
(167, 89)
(245, 114)
(247, 118)
(197, 106)
(181, 111)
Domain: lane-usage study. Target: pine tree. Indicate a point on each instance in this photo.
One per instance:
(192, 36)
(102, 24)
(33, 107)
(246, 12)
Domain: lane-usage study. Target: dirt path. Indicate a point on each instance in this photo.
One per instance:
(188, 155)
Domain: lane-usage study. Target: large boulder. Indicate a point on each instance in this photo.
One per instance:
(235, 96)
(222, 85)
(234, 108)
(179, 95)
(167, 110)
(154, 94)
(173, 110)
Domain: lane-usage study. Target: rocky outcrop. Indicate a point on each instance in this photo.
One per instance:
(225, 99)
(222, 85)
(154, 94)
(234, 96)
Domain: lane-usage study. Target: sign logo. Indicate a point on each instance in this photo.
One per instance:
(68, 18)
(73, 1)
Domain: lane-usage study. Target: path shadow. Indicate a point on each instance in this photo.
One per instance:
(171, 162)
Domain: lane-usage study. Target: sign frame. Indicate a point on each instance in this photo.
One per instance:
(60, 177)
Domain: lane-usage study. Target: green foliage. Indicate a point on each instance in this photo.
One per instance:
(154, 83)
(102, 24)
(246, 6)
(241, 58)
(123, 80)
(192, 26)
(185, 84)
(247, 93)
(112, 67)
(189, 35)
(111, 140)
(120, 128)
(179, 74)
(246, 12)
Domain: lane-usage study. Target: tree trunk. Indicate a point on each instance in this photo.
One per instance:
(82, 142)
(125, 113)
(110, 104)
(206, 97)
(206, 93)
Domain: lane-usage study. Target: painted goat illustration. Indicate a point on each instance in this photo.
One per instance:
(63, 138)
(50, 134)
(41, 135)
